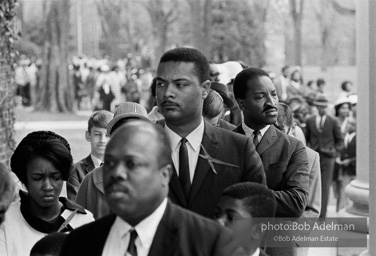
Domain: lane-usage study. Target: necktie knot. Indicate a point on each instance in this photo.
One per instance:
(183, 141)
(132, 249)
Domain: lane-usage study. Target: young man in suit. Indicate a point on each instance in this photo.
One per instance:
(206, 159)
(137, 171)
(244, 207)
(284, 157)
(323, 134)
(96, 134)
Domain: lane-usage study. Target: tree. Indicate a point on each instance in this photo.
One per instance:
(200, 17)
(57, 91)
(7, 86)
(238, 31)
(162, 15)
(296, 11)
(112, 21)
(325, 17)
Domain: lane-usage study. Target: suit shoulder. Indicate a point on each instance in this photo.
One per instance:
(94, 226)
(195, 220)
(230, 134)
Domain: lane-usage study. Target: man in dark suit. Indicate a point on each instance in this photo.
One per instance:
(323, 134)
(137, 171)
(284, 157)
(207, 159)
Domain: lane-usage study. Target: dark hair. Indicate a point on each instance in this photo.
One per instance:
(199, 60)
(49, 245)
(344, 85)
(213, 105)
(285, 67)
(320, 81)
(45, 144)
(310, 82)
(337, 107)
(285, 116)
(100, 119)
(258, 199)
(241, 81)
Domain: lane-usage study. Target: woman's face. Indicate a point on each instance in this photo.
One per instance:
(44, 182)
(344, 110)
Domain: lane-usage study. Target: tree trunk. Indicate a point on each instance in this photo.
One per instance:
(57, 92)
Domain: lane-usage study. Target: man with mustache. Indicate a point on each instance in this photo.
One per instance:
(206, 159)
(137, 171)
(284, 157)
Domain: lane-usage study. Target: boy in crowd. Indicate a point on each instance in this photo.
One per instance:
(96, 134)
(243, 208)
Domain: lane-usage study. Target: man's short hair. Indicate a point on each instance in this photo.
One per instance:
(241, 81)
(199, 60)
(49, 245)
(258, 199)
(213, 105)
(99, 119)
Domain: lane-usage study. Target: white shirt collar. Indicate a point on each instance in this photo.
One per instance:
(249, 131)
(194, 138)
(146, 229)
(257, 252)
(96, 161)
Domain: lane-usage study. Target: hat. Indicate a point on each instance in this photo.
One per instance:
(340, 101)
(353, 98)
(127, 110)
(223, 91)
(321, 101)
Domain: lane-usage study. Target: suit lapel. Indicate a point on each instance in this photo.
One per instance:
(209, 141)
(89, 165)
(269, 138)
(165, 237)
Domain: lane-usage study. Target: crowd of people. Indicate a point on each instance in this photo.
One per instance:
(196, 174)
(98, 83)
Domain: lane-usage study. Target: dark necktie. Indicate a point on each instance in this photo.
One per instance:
(132, 249)
(255, 138)
(184, 177)
(321, 123)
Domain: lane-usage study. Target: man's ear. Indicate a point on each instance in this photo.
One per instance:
(257, 231)
(205, 88)
(166, 172)
(87, 136)
(241, 104)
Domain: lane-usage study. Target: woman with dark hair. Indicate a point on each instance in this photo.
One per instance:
(42, 162)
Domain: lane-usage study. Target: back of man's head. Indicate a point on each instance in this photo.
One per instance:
(241, 81)
(49, 245)
(190, 55)
(285, 116)
(258, 199)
